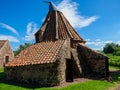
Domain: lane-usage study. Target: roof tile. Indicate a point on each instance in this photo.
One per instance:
(43, 52)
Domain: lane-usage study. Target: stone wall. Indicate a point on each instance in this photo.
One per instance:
(98, 66)
(43, 75)
(5, 51)
(94, 67)
(93, 63)
(63, 55)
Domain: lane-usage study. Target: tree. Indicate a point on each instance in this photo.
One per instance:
(109, 48)
(117, 51)
(112, 48)
(21, 47)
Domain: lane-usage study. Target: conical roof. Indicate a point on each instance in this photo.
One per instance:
(55, 27)
(53, 36)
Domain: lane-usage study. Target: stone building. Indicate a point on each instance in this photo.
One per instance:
(59, 55)
(6, 53)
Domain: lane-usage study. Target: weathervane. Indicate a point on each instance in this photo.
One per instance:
(52, 7)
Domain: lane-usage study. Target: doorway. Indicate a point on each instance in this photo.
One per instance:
(69, 70)
(6, 59)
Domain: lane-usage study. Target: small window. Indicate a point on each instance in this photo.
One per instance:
(6, 59)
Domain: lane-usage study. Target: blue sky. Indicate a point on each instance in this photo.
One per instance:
(97, 21)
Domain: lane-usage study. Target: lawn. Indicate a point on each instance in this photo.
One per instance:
(114, 60)
(88, 85)
(114, 68)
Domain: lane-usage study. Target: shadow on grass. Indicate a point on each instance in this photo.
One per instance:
(1, 75)
(115, 75)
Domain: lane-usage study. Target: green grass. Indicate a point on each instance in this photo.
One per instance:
(4, 86)
(114, 60)
(1, 70)
(114, 68)
(88, 85)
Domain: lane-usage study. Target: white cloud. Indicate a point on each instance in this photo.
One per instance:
(118, 42)
(3, 25)
(87, 39)
(31, 30)
(70, 10)
(10, 38)
(98, 42)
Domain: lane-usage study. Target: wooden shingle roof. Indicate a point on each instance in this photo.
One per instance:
(56, 27)
(40, 53)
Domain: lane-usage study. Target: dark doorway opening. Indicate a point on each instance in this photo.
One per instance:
(69, 70)
(6, 59)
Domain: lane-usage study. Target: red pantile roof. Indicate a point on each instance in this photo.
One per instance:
(43, 52)
(56, 26)
(2, 42)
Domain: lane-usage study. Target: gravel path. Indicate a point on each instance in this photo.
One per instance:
(118, 87)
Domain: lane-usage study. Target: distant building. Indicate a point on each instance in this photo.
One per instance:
(6, 53)
(59, 55)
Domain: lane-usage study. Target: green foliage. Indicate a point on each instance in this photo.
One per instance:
(113, 52)
(116, 77)
(117, 51)
(109, 48)
(114, 60)
(21, 47)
